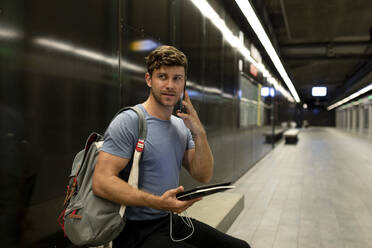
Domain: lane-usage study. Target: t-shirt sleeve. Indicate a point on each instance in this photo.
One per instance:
(121, 135)
(190, 141)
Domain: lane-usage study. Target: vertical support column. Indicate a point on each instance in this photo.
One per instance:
(259, 106)
(346, 115)
(339, 115)
(353, 119)
(344, 120)
(361, 118)
(370, 120)
(350, 124)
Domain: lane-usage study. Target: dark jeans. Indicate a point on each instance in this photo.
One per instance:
(155, 233)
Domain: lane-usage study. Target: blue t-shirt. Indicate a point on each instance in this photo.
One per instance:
(160, 164)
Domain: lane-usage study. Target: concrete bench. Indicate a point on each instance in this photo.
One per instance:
(277, 135)
(291, 136)
(218, 210)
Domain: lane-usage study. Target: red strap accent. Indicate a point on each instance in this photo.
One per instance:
(61, 221)
(74, 215)
(140, 145)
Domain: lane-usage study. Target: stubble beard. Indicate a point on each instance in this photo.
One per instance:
(157, 98)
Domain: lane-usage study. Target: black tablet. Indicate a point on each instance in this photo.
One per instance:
(201, 191)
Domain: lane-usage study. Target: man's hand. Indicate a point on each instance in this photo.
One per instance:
(191, 118)
(168, 201)
(199, 161)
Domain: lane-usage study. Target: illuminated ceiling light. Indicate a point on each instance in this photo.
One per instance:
(265, 91)
(237, 42)
(349, 98)
(272, 81)
(249, 13)
(272, 92)
(319, 91)
(284, 93)
(219, 23)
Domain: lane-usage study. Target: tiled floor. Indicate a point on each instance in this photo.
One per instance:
(317, 193)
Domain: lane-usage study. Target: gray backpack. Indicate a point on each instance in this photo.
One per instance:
(88, 219)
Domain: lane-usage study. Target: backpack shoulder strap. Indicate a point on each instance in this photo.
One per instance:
(142, 133)
(142, 125)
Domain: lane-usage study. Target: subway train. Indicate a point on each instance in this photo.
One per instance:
(68, 66)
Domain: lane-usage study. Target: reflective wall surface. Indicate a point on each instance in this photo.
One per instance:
(67, 66)
(59, 81)
(213, 79)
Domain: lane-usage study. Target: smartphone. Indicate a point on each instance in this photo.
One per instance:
(181, 107)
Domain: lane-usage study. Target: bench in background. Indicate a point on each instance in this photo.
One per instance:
(291, 136)
(270, 137)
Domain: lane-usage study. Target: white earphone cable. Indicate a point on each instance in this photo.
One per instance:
(188, 223)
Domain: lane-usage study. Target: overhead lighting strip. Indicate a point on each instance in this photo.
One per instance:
(351, 97)
(253, 20)
(208, 12)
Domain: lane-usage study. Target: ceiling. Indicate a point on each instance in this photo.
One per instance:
(325, 43)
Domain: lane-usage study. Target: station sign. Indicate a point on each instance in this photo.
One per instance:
(253, 70)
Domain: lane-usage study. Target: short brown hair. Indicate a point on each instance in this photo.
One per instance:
(165, 55)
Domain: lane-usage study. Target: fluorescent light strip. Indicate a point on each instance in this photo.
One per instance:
(280, 88)
(352, 96)
(220, 24)
(249, 13)
(235, 41)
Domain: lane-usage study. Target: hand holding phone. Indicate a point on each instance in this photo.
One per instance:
(182, 108)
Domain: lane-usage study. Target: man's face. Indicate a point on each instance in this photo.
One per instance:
(167, 84)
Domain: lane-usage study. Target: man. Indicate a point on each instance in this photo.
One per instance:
(169, 144)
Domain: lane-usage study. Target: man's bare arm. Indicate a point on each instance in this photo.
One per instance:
(199, 161)
(108, 185)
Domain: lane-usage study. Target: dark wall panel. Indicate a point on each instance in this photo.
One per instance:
(318, 116)
(66, 68)
(59, 82)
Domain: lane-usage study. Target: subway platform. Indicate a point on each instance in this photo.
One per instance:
(316, 193)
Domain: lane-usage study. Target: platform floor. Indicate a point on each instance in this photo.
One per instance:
(317, 193)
